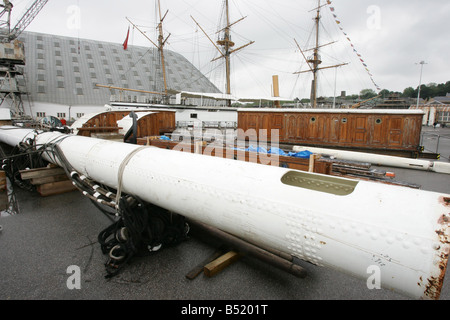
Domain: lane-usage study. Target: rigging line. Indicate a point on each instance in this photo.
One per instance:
(325, 29)
(325, 82)
(222, 16)
(261, 65)
(325, 54)
(198, 12)
(240, 36)
(256, 79)
(195, 46)
(295, 86)
(269, 22)
(277, 55)
(288, 49)
(271, 13)
(355, 70)
(354, 50)
(260, 82)
(310, 37)
(209, 72)
(238, 9)
(134, 65)
(195, 53)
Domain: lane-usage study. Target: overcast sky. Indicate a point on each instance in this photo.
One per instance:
(390, 36)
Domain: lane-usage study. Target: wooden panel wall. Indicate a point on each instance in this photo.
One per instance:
(156, 123)
(352, 130)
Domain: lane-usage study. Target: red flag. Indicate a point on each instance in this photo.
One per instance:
(125, 44)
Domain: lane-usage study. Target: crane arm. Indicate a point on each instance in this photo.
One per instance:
(361, 102)
(27, 18)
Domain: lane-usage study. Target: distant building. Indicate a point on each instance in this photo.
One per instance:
(393, 101)
(440, 100)
(437, 111)
(61, 73)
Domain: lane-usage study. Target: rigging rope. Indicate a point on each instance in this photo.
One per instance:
(122, 169)
(338, 22)
(138, 228)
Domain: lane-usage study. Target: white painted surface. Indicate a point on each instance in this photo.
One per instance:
(376, 159)
(398, 230)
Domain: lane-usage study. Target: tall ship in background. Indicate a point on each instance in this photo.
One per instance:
(210, 112)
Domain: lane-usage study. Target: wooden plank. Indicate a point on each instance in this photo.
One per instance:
(220, 263)
(41, 172)
(312, 161)
(199, 268)
(49, 179)
(2, 180)
(95, 129)
(4, 203)
(53, 188)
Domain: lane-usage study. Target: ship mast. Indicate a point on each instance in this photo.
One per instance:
(227, 45)
(315, 60)
(161, 43)
(159, 46)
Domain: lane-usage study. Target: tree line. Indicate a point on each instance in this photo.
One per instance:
(427, 91)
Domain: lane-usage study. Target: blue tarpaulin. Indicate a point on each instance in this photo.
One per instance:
(273, 150)
(302, 154)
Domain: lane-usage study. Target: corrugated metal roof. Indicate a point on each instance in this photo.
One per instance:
(65, 70)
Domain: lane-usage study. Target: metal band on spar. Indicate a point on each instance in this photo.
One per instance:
(347, 225)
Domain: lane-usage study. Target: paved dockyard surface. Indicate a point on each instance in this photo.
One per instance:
(52, 236)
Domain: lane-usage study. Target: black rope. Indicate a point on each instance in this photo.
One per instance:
(142, 229)
(139, 228)
(21, 157)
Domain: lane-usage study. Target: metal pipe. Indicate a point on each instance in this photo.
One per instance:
(437, 145)
(277, 259)
(376, 159)
(348, 225)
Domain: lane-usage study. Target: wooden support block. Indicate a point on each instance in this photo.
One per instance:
(53, 188)
(275, 258)
(312, 159)
(2, 180)
(108, 136)
(220, 263)
(41, 172)
(49, 179)
(4, 203)
(198, 269)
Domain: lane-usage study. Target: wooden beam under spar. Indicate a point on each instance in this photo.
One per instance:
(279, 260)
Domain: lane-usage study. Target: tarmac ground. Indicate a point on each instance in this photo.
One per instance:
(54, 238)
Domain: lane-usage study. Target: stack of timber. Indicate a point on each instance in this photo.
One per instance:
(49, 180)
(363, 171)
(317, 163)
